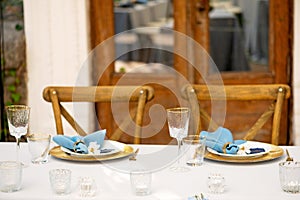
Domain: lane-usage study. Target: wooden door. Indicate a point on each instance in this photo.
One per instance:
(191, 19)
(278, 69)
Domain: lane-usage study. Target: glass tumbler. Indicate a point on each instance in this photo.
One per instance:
(39, 145)
(141, 182)
(10, 176)
(194, 147)
(289, 174)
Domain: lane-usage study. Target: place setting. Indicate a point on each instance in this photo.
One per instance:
(89, 148)
(222, 147)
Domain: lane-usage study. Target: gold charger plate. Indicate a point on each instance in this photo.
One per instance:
(58, 153)
(274, 153)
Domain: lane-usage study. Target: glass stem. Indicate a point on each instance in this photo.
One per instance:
(179, 150)
(18, 149)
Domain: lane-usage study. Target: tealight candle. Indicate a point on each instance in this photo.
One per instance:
(216, 183)
(87, 187)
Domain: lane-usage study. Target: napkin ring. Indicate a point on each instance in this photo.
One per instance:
(77, 142)
(225, 146)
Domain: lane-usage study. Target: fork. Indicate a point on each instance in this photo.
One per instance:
(133, 157)
(289, 158)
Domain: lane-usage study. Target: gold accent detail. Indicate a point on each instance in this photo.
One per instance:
(224, 147)
(77, 142)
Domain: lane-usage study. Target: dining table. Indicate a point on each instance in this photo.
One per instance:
(247, 181)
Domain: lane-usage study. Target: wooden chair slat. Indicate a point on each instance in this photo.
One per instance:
(276, 93)
(138, 94)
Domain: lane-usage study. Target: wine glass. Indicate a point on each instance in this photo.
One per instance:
(178, 122)
(18, 118)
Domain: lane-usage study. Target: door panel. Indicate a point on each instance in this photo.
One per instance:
(277, 71)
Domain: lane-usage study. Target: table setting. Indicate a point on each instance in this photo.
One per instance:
(207, 166)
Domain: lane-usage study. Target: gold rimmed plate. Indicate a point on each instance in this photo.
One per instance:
(124, 151)
(273, 153)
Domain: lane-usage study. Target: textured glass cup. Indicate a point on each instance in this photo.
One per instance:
(60, 180)
(289, 174)
(38, 145)
(194, 147)
(10, 176)
(141, 182)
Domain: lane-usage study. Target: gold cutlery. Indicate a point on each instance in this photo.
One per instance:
(289, 158)
(133, 156)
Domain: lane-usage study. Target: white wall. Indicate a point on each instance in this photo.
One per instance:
(57, 46)
(296, 83)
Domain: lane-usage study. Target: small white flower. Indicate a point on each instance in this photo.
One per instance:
(94, 148)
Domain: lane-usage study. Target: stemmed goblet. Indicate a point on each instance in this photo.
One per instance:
(178, 122)
(18, 118)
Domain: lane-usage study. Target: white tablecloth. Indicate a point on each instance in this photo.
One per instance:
(243, 181)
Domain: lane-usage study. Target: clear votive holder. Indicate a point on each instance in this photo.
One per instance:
(39, 145)
(87, 187)
(141, 182)
(10, 176)
(194, 149)
(216, 183)
(289, 174)
(60, 181)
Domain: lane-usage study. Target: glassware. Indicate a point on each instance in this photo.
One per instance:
(87, 187)
(216, 183)
(289, 174)
(10, 176)
(194, 148)
(178, 122)
(39, 145)
(60, 180)
(141, 182)
(18, 119)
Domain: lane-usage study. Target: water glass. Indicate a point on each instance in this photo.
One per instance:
(178, 123)
(289, 174)
(39, 145)
(60, 181)
(216, 183)
(194, 146)
(10, 176)
(18, 119)
(141, 182)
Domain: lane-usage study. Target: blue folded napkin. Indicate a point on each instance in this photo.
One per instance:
(80, 144)
(222, 141)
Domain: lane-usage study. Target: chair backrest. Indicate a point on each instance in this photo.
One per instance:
(139, 95)
(276, 93)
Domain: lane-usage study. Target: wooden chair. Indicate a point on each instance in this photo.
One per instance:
(275, 93)
(139, 95)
